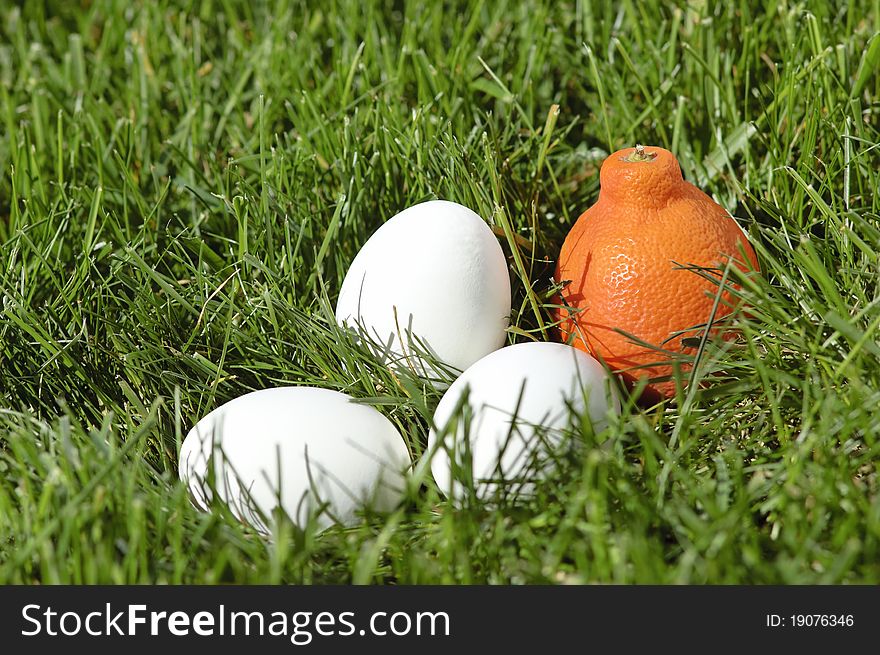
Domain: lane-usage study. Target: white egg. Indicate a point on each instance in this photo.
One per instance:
(300, 448)
(519, 404)
(434, 278)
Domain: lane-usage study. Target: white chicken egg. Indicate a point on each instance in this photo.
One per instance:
(519, 403)
(431, 279)
(297, 448)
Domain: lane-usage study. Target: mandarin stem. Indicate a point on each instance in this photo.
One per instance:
(639, 154)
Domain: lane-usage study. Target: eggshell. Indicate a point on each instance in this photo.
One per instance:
(301, 445)
(434, 277)
(520, 399)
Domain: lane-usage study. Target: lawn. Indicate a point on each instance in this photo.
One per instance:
(183, 185)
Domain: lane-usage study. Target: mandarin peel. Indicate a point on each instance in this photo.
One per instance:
(637, 264)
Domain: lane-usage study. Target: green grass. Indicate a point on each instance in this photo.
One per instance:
(183, 185)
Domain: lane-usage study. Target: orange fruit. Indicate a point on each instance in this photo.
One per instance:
(622, 268)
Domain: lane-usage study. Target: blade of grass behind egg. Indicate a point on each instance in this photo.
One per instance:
(519, 266)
